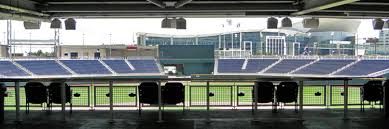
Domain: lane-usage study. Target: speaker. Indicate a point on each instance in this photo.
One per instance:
(31, 25)
(56, 24)
(181, 23)
(311, 23)
(169, 23)
(286, 22)
(272, 23)
(378, 24)
(70, 24)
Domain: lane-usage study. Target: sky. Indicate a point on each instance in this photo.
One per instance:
(123, 31)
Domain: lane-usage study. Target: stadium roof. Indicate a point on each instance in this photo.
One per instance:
(46, 9)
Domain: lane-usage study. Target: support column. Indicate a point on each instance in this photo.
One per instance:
(255, 101)
(207, 101)
(345, 97)
(386, 100)
(301, 100)
(17, 100)
(111, 101)
(159, 102)
(63, 100)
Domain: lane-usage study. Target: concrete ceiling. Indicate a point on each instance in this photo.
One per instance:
(46, 9)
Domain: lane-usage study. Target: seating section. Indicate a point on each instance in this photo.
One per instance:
(86, 66)
(287, 65)
(257, 65)
(119, 66)
(43, 67)
(9, 69)
(365, 67)
(230, 65)
(144, 66)
(325, 66)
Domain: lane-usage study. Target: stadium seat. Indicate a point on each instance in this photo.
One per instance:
(173, 93)
(148, 93)
(36, 93)
(265, 92)
(55, 94)
(372, 91)
(287, 93)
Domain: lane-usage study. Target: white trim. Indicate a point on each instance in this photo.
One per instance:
(303, 66)
(245, 64)
(270, 66)
(22, 68)
(129, 64)
(344, 67)
(66, 67)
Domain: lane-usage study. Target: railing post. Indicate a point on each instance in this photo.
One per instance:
(159, 102)
(301, 101)
(345, 96)
(255, 101)
(111, 101)
(208, 103)
(17, 100)
(63, 100)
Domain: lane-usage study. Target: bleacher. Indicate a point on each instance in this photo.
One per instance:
(68, 68)
(330, 67)
(86, 66)
(257, 65)
(43, 67)
(9, 69)
(365, 67)
(325, 66)
(287, 65)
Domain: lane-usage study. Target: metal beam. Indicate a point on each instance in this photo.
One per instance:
(157, 3)
(181, 3)
(317, 5)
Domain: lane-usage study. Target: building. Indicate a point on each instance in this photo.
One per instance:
(105, 51)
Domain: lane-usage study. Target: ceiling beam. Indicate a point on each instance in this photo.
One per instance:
(317, 5)
(181, 3)
(158, 3)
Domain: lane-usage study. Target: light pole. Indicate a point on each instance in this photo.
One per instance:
(110, 44)
(30, 44)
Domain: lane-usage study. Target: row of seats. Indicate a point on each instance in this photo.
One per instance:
(321, 67)
(83, 67)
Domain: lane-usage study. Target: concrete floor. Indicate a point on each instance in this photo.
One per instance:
(196, 119)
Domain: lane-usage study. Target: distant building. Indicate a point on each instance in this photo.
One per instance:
(384, 37)
(105, 51)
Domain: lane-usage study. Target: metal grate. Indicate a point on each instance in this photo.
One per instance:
(222, 96)
(354, 95)
(121, 96)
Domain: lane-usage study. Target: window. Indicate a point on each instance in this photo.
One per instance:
(73, 55)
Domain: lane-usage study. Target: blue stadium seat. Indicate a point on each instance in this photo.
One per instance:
(365, 67)
(325, 66)
(287, 65)
(144, 66)
(230, 65)
(119, 66)
(86, 66)
(9, 69)
(43, 67)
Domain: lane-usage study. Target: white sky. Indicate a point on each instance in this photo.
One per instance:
(123, 30)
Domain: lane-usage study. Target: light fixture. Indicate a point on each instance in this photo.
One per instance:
(70, 24)
(386, 25)
(311, 23)
(31, 25)
(272, 23)
(378, 24)
(181, 23)
(286, 22)
(56, 24)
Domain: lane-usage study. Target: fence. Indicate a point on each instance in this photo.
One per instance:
(220, 95)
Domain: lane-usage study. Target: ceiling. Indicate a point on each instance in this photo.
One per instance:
(46, 9)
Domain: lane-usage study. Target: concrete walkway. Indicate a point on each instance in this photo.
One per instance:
(197, 119)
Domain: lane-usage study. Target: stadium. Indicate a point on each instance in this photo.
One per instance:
(314, 73)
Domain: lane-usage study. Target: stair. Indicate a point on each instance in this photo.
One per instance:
(23, 68)
(129, 64)
(345, 67)
(306, 65)
(245, 64)
(270, 66)
(66, 67)
(106, 66)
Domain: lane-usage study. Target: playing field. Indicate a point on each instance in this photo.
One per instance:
(224, 94)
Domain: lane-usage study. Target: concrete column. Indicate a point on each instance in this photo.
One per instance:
(301, 101)
(111, 101)
(17, 100)
(345, 97)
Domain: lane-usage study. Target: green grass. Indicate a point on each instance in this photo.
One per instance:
(225, 94)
